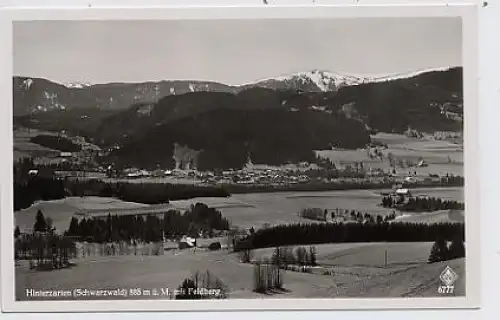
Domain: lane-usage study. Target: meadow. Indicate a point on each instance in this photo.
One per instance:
(24, 148)
(358, 271)
(442, 156)
(242, 210)
(61, 211)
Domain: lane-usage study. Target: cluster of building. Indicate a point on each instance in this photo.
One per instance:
(244, 176)
(271, 176)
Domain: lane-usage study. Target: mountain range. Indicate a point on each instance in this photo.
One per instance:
(35, 95)
(272, 121)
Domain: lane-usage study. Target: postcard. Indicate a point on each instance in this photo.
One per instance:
(320, 157)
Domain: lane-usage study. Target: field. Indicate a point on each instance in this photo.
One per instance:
(358, 271)
(437, 153)
(61, 211)
(433, 217)
(245, 210)
(24, 148)
(283, 207)
(370, 255)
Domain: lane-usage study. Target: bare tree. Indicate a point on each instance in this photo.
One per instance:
(401, 163)
(50, 224)
(301, 254)
(409, 163)
(391, 159)
(246, 256)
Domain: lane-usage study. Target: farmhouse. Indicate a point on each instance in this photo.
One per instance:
(443, 135)
(65, 155)
(42, 172)
(187, 242)
(422, 164)
(314, 214)
(402, 195)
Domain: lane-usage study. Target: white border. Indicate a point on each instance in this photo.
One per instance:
(468, 12)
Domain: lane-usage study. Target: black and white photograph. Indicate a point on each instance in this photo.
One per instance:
(238, 159)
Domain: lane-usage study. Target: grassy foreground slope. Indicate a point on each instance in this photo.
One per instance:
(167, 271)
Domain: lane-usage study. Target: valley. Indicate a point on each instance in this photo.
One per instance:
(157, 165)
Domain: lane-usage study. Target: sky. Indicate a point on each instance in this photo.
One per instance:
(231, 51)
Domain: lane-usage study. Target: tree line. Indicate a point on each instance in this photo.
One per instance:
(56, 142)
(451, 181)
(422, 204)
(316, 233)
(199, 219)
(353, 215)
(29, 188)
(38, 188)
(45, 249)
(149, 193)
(442, 251)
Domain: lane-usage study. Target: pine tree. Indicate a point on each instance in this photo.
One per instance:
(17, 232)
(49, 225)
(109, 228)
(40, 223)
(456, 249)
(312, 256)
(73, 227)
(439, 251)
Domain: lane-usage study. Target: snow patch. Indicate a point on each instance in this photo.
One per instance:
(41, 108)
(324, 80)
(77, 85)
(27, 83)
(191, 87)
(405, 75)
(315, 108)
(328, 81)
(172, 90)
(145, 110)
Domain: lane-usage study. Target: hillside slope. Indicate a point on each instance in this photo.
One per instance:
(272, 122)
(36, 95)
(229, 138)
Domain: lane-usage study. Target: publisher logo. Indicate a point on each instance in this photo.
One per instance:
(448, 277)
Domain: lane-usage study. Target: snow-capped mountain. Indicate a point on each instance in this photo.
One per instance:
(38, 95)
(405, 75)
(77, 85)
(35, 95)
(323, 81)
(315, 80)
